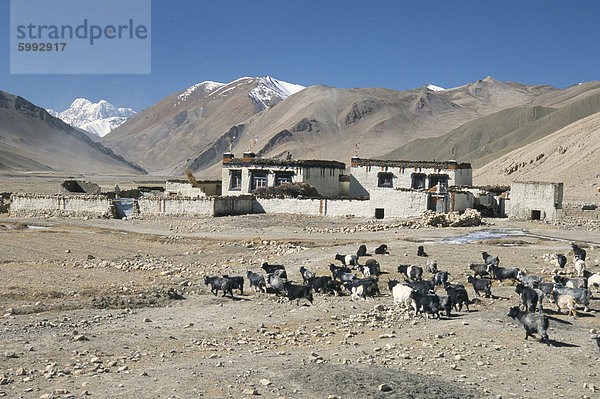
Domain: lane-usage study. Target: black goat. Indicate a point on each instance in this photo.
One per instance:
(325, 285)
(457, 295)
(277, 283)
(257, 282)
(581, 295)
(561, 260)
(529, 279)
(421, 251)
(533, 322)
(237, 283)
(381, 250)
(490, 260)
(362, 251)
(411, 272)
(337, 271)
(306, 274)
(420, 286)
(347, 260)
(362, 288)
(440, 278)
(570, 282)
(546, 288)
(270, 269)
(578, 251)
(481, 284)
(219, 283)
(294, 291)
(502, 273)
(373, 265)
(528, 296)
(480, 269)
(425, 303)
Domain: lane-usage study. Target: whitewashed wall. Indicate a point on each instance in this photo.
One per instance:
(183, 189)
(526, 197)
(176, 206)
(60, 205)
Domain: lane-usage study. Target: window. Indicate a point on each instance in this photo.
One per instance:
(259, 180)
(235, 180)
(379, 213)
(435, 179)
(418, 180)
(385, 179)
(536, 215)
(283, 177)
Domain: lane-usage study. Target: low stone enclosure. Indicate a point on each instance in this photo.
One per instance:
(101, 206)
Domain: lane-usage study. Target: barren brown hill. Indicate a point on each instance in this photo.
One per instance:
(570, 155)
(325, 122)
(33, 140)
(166, 135)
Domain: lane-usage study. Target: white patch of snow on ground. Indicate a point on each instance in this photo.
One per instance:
(208, 86)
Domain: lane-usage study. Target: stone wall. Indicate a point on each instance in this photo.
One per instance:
(579, 211)
(35, 205)
(176, 206)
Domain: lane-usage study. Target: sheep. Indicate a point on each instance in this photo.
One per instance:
(581, 295)
(457, 295)
(400, 293)
(361, 288)
(237, 283)
(490, 260)
(440, 278)
(270, 269)
(570, 282)
(257, 282)
(421, 251)
(481, 284)
(529, 279)
(578, 252)
(347, 260)
(306, 274)
(503, 273)
(374, 267)
(294, 291)
(362, 251)
(276, 282)
(324, 284)
(480, 269)
(565, 302)
(532, 322)
(579, 267)
(381, 250)
(421, 286)
(425, 303)
(219, 283)
(431, 266)
(528, 296)
(411, 272)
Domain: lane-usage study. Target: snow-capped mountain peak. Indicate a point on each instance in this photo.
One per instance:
(270, 90)
(97, 118)
(207, 86)
(434, 87)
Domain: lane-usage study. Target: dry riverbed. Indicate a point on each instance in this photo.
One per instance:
(111, 308)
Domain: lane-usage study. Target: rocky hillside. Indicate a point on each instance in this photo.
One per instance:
(570, 155)
(34, 140)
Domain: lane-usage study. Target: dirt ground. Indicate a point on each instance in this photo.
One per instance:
(118, 309)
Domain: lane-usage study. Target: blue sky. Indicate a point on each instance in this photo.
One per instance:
(394, 44)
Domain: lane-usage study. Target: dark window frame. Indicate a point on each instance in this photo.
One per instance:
(385, 180)
(283, 177)
(258, 176)
(417, 178)
(235, 176)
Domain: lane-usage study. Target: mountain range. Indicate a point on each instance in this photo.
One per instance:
(98, 118)
(485, 122)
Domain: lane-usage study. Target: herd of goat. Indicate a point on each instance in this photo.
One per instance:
(419, 294)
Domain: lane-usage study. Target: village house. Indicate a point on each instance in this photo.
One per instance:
(242, 176)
